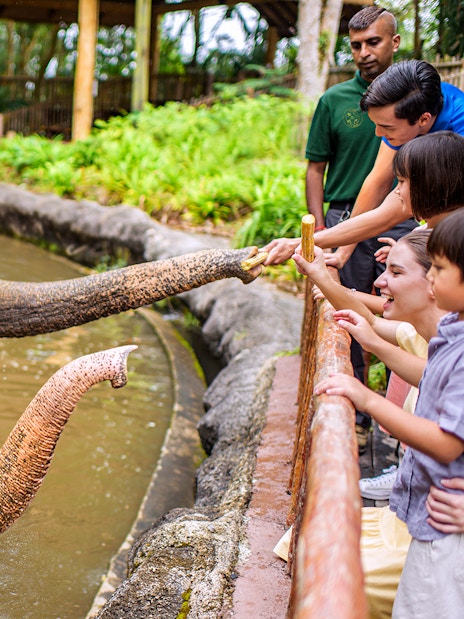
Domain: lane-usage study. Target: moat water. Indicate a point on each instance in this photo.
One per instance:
(53, 559)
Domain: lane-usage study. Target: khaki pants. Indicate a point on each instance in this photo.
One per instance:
(432, 583)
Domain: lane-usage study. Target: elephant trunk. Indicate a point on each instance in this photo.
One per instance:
(32, 308)
(28, 451)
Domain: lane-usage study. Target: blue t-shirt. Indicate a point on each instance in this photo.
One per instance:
(451, 117)
(441, 397)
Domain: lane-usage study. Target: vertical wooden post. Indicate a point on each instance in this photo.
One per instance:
(85, 68)
(140, 83)
(272, 39)
(155, 58)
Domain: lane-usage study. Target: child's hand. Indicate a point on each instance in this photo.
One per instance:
(381, 254)
(317, 293)
(314, 270)
(335, 259)
(357, 326)
(348, 386)
(446, 509)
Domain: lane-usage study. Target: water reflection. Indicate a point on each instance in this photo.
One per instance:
(52, 560)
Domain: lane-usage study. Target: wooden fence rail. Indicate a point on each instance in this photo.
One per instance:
(50, 100)
(46, 108)
(324, 558)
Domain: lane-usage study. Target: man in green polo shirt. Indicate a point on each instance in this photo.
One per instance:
(341, 151)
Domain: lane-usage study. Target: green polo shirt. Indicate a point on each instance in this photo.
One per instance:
(344, 136)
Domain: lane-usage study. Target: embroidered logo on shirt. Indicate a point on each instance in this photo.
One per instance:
(353, 118)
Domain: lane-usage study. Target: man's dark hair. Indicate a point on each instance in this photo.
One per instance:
(367, 16)
(447, 239)
(413, 86)
(433, 163)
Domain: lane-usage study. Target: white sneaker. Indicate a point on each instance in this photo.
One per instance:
(379, 487)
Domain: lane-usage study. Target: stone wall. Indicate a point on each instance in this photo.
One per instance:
(184, 565)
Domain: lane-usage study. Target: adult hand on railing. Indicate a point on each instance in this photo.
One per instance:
(317, 293)
(446, 509)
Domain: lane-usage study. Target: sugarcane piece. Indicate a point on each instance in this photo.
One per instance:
(249, 263)
(307, 237)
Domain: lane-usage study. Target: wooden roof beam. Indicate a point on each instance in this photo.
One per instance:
(192, 5)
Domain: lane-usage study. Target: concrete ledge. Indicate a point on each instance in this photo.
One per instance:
(262, 588)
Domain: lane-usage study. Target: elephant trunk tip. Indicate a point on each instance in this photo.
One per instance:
(120, 377)
(255, 259)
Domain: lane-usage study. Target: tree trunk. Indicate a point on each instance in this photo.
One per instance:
(417, 31)
(318, 26)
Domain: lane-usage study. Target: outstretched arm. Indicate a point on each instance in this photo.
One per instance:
(378, 182)
(366, 225)
(408, 366)
(341, 297)
(422, 434)
(374, 192)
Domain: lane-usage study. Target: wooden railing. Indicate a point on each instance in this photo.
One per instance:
(324, 558)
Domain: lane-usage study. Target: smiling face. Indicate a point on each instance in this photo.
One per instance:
(404, 285)
(373, 48)
(402, 190)
(398, 131)
(447, 285)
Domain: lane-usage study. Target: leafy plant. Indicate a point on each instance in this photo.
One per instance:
(377, 376)
(237, 162)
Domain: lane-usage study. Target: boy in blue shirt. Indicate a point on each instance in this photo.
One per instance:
(432, 583)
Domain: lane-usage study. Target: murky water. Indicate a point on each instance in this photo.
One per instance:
(53, 558)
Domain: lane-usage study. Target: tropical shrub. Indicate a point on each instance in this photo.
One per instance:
(236, 163)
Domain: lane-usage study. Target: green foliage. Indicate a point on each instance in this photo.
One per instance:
(450, 17)
(185, 608)
(270, 81)
(109, 263)
(441, 30)
(377, 376)
(235, 162)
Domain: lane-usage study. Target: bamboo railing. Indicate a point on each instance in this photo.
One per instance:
(324, 558)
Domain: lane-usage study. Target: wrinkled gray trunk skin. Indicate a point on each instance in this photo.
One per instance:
(33, 308)
(27, 453)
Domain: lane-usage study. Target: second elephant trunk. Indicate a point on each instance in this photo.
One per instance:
(26, 454)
